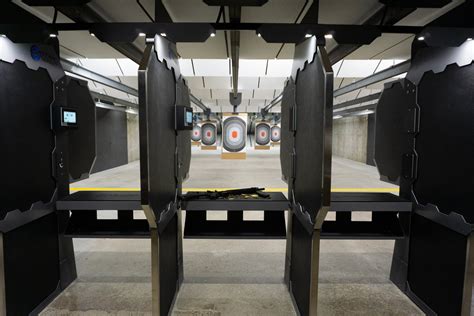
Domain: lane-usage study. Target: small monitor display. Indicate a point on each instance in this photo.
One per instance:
(189, 117)
(69, 117)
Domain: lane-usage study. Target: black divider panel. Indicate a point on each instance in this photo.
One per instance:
(158, 141)
(168, 265)
(287, 133)
(437, 265)
(184, 137)
(111, 139)
(445, 143)
(82, 146)
(392, 128)
(309, 136)
(26, 138)
(31, 268)
(300, 269)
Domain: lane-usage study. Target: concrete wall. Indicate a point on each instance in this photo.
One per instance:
(350, 138)
(133, 138)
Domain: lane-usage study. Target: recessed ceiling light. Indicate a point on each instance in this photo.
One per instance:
(141, 34)
(163, 34)
(469, 39)
(259, 35)
(328, 36)
(213, 34)
(421, 38)
(92, 34)
(53, 35)
(308, 35)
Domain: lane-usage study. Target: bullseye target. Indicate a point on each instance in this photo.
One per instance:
(234, 133)
(275, 133)
(262, 133)
(196, 133)
(208, 134)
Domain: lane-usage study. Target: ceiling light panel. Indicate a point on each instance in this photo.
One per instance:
(264, 94)
(357, 68)
(217, 82)
(272, 82)
(195, 82)
(248, 83)
(279, 67)
(202, 93)
(103, 66)
(252, 67)
(186, 67)
(220, 93)
(128, 66)
(211, 67)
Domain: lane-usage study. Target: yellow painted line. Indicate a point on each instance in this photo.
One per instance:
(374, 190)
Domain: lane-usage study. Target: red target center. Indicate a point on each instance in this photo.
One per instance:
(262, 134)
(234, 134)
(208, 134)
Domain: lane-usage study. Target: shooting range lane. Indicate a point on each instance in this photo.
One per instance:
(233, 276)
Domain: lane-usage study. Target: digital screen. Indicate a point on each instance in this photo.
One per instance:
(69, 117)
(189, 117)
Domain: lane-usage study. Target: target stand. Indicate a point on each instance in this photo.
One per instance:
(262, 136)
(208, 135)
(234, 136)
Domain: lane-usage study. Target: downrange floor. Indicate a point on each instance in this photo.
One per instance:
(233, 277)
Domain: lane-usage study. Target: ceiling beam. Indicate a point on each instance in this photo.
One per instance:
(161, 14)
(85, 14)
(387, 16)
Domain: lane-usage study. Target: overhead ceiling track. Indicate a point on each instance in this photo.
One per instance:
(376, 77)
(71, 67)
(364, 99)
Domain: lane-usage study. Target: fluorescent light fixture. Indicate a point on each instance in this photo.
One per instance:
(131, 111)
(53, 35)
(3, 35)
(141, 34)
(308, 35)
(421, 38)
(335, 117)
(213, 34)
(163, 34)
(365, 112)
(328, 36)
(469, 39)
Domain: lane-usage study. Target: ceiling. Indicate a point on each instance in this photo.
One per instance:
(263, 66)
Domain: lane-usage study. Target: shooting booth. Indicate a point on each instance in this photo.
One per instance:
(48, 138)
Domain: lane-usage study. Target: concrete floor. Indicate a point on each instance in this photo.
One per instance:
(233, 277)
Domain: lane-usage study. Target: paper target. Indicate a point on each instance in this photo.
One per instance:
(262, 134)
(196, 133)
(276, 133)
(234, 134)
(208, 134)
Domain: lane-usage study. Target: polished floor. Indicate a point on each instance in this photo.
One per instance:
(233, 277)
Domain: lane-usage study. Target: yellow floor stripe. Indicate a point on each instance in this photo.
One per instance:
(375, 190)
